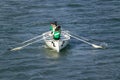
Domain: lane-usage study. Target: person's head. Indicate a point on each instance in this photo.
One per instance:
(52, 23)
(58, 28)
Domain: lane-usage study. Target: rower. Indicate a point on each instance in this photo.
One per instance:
(53, 27)
(57, 33)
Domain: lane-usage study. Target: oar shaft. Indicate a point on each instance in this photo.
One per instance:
(94, 45)
(31, 43)
(20, 47)
(81, 39)
(31, 39)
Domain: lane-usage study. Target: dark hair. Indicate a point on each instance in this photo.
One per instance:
(58, 28)
(52, 23)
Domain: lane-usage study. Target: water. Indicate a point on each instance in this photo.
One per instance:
(94, 19)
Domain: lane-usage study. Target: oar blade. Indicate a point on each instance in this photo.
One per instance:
(96, 46)
(21, 47)
(17, 48)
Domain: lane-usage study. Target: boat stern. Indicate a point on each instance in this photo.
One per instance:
(56, 45)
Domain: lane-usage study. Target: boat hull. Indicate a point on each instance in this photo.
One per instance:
(56, 45)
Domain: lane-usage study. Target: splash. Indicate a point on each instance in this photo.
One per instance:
(104, 45)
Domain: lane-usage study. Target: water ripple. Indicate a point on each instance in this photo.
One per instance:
(97, 20)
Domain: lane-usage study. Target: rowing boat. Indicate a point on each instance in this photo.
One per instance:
(56, 45)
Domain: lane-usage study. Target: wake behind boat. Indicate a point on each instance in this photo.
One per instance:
(56, 45)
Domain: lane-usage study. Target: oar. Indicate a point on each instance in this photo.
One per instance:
(29, 42)
(94, 45)
(81, 37)
(21, 47)
(31, 39)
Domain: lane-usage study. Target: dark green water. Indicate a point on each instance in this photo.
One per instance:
(95, 19)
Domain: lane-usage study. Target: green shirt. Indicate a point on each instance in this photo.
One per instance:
(56, 35)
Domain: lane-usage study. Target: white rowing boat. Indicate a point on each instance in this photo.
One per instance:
(56, 45)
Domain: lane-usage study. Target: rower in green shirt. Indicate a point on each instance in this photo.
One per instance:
(53, 27)
(57, 33)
